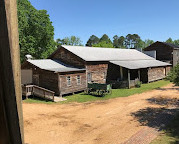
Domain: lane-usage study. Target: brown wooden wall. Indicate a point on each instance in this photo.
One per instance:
(49, 80)
(98, 71)
(68, 58)
(156, 73)
(74, 87)
(164, 52)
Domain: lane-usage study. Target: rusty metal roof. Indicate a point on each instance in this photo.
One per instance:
(53, 65)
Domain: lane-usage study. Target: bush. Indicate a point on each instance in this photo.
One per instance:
(173, 75)
(138, 84)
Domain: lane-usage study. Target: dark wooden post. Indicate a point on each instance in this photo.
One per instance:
(139, 74)
(11, 120)
(121, 72)
(129, 78)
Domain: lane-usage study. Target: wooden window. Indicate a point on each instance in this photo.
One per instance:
(78, 78)
(68, 81)
(89, 77)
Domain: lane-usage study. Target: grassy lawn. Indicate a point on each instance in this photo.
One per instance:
(171, 134)
(81, 97)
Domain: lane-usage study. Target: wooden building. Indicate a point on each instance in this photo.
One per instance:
(70, 68)
(164, 51)
(175, 56)
(106, 65)
(56, 76)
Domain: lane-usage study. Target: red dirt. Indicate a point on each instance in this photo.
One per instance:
(101, 122)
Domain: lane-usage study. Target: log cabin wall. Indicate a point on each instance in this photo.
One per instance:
(74, 85)
(68, 58)
(98, 71)
(156, 73)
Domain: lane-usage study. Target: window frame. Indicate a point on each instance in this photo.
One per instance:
(68, 79)
(78, 79)
(89, 77)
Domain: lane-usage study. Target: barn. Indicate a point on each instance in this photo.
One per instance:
(121, 67)
(55, 75)
(164, 51)
(70, 68)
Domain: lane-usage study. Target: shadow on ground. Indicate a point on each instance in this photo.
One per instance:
(165, 118)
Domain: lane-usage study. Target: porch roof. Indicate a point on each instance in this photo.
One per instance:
(137, 64)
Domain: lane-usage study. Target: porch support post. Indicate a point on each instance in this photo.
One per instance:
(139, 74)
(121, 73)
(129, 78)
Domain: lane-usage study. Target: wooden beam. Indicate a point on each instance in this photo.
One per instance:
(10, 77)
(121, 72)
(139, 74)
(129, 78)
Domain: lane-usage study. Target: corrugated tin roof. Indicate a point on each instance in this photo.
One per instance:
(137, 64)
(106, 54)
(53, 65)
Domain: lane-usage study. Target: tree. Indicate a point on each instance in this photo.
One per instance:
(169, 40)
(133, 41)
(118, 42)
(173, 75)
(105, 38)
(72, 40)
(103, 44)
(36, 33)
(176, 42)
(148, 42)
(92, 40)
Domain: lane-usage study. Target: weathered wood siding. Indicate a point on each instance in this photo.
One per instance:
(156, 73)
(168, 68)
(68, 58)
(98, 71)
(175, 57)
(43, 78)
(164, 52)
(74, 87)
(49, 80)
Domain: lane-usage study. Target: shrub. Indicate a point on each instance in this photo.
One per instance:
(173, 75)
(138, 84)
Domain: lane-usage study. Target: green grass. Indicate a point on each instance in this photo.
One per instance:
(81, 97)
(171, 134)
(116, 92)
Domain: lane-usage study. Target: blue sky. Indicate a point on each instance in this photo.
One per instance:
(153, 19)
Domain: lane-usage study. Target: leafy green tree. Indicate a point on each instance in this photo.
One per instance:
(169, 40)
(133, 41)
(105, 38)
(72, 40)
(176, 42)
(118, 42)
(173, 76)
(103, 44)
(148, 42)
(92, 40)
(36, 33)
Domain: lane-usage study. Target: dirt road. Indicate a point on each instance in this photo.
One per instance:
(101, 122)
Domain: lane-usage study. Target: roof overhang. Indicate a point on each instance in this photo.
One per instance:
(138, 64)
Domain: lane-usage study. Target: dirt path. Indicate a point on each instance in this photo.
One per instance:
(104, 122)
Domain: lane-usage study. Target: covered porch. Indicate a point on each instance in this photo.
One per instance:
(128, 73)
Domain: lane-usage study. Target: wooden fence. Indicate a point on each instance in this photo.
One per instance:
(29, 90)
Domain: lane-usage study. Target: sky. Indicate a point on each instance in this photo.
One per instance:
(150, 19)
